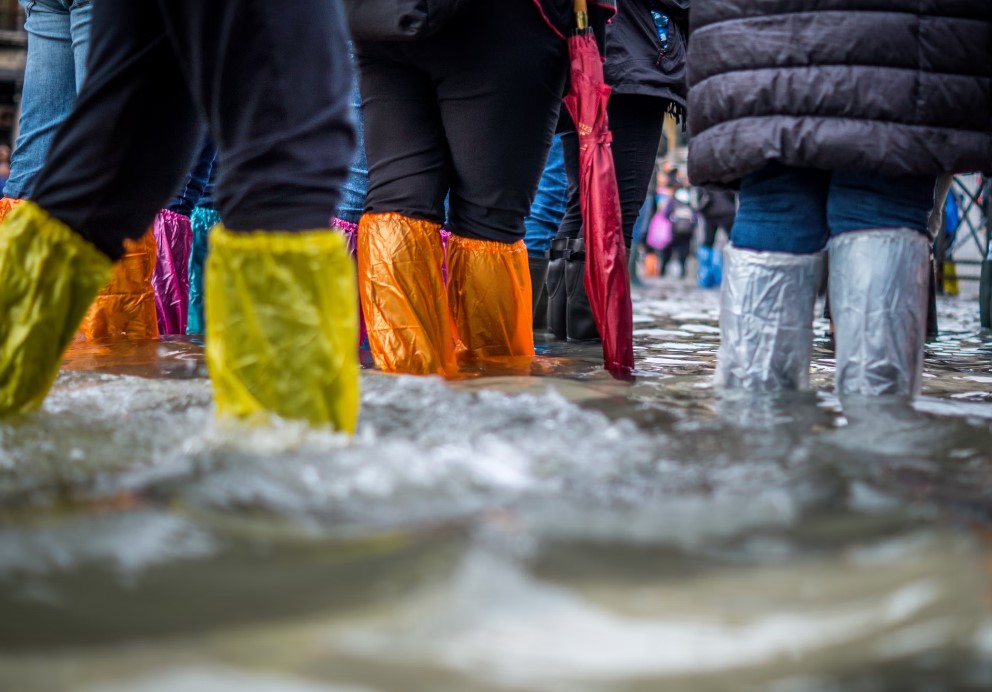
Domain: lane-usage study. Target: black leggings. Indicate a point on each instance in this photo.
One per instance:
(272, 85)
(467, 114)
(636, 123)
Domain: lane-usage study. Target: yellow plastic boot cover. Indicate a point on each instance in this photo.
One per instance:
(490, 297)
(281, 326)
(403, 294)
(126, 306)
(49, 276)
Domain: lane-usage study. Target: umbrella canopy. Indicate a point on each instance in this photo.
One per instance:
(607, 282)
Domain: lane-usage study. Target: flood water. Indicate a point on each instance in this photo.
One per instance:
(561, 532)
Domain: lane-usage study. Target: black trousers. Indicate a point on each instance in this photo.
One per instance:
(467, 114)
(271, 83)
(636, 123)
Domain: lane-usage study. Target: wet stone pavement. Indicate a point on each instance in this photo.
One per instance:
(559, 532)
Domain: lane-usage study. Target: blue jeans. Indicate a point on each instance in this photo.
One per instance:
(58, 40)
(356, 187)
(549, 205)
(797, 210)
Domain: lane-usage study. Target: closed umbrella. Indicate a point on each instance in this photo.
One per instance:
(607, 281)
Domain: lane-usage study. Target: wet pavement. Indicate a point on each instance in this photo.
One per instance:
(559, 532)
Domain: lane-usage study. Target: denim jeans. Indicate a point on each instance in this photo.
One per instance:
(356, 187)
(549, 205)
(797, 210)
(58, 40)
(196, 190)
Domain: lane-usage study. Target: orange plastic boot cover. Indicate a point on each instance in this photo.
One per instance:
(490, 297)
(7, 204)
(403, 296)
(126, 307)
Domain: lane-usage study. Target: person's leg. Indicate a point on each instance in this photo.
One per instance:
(48, 93)
(400, 254)
(568, 232)
(771, 274)
(879, 280)
(272, 86)
(80, 18)
(499, 107)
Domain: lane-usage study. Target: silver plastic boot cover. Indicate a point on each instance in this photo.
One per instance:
(766, 319)
(879, 296)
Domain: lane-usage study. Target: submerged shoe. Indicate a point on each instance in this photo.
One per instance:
(489, 294)
(174, 239)
(879, 283)
(282, 322)
(539, 288)
(201, 222)
(766, 320)
(125, 308)
(403, 295)
(49, 276)
(557, 297)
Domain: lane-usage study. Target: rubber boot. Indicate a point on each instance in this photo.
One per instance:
(125, 308)
(879, 283)
(539, 287)
(766, 320)
(174, 241)
(489, 294)
(49, 276)
(557, 296)
(282, 322)
(704, 256)
(580, 325)
(403, 295)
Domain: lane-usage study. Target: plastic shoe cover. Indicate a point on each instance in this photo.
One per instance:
(766, 319)
(125, 308)
(489, 293)
(350, 232)
(879, 284)
(716, 269)
(282, 322)
(7, 205)
(201, 222)
(48, 278)
(171, 280)
(403, 294)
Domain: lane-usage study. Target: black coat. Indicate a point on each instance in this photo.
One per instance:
(635, 63)
(561, 18)
(902, 87)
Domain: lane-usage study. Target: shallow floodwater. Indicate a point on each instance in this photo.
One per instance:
(560, 532)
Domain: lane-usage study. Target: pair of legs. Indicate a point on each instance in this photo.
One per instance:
(879, 275)
(678, 250)
(271, 87)
(468, 115)
(58, 42)
(636, 123)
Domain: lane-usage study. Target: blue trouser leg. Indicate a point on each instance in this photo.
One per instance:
(549, 205)
(783, 210)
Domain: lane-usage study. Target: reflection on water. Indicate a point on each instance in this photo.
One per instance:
(561, 532)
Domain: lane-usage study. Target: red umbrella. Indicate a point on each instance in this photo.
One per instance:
(607, 281)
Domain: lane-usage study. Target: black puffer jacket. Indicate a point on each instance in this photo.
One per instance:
(635, 62)
(896, 86)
